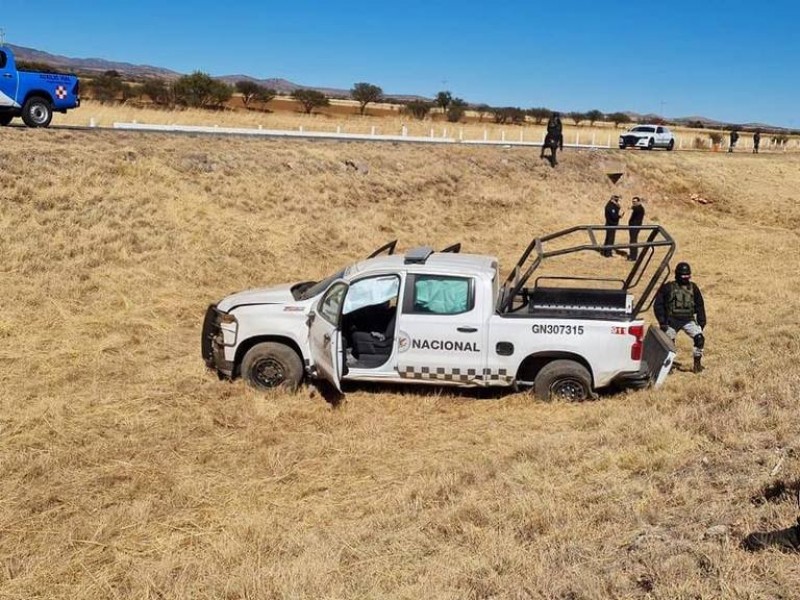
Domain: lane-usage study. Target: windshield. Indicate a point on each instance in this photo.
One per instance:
(309, 289)
(644, 129)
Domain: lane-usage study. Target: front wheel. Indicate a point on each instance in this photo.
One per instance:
(37, 112)
(270, 365)
(563, 380)
(650, 143)
(5, 120)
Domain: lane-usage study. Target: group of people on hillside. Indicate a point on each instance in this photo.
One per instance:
(679, 304)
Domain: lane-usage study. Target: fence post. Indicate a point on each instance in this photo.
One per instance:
(461, 134)
(593, 138)
(404, 131)
(609, 140)
(92, 122)
(301, 128)
(338, 129)
(444, 132)
(521, 135)
(485, 135)
(577, 138)
(431, 131)
(503, 135)
(372, 131)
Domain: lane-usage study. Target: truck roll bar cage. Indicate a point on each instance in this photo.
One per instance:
(539, 250)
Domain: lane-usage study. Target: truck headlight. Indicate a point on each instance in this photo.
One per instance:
(228, 327)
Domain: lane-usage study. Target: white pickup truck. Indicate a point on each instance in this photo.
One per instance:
(444, 318)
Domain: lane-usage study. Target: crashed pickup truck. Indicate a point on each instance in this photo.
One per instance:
(446, 318)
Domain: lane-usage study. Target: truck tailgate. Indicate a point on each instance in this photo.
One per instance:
(659, 352)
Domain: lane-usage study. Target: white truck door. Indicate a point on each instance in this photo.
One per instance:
(325, 336)
(442, 330)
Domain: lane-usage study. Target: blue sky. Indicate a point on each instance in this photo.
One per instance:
(734, 61)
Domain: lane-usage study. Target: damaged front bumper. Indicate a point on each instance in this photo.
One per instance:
(212, 344)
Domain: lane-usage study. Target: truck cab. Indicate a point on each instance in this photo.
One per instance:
(444, 318)
(34, 96)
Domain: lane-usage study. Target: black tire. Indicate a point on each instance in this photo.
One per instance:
(270, 365)
(671, 145)
(5, 119)
(650, 143)
(563, 380)
(37, 112)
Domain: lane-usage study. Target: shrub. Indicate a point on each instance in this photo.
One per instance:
(200, 90)
(418, 109)
(699, 142)
(594, 115)
(715, 137)
(310, 99)
(539, 114)
(455, 112)
(618, 118)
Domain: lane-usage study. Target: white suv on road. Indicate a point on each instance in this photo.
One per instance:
(647, 136)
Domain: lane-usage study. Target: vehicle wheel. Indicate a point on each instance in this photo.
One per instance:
(563, 380)
(650, 143)
(271, 365)
(671, 145)
(37, 112)
(5, 120)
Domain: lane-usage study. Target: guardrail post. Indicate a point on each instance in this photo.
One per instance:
(301, 128)
(444, 132)
(372, 131)
(521, 135)
(577, 138)
(404, 131)
(593, 138)
(503, 135)
(92, 122)
(461, 134)
(338, 129)
(609, 140)
(485, 135)
(431, 131)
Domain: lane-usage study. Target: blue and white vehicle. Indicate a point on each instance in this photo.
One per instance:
(34, 96)
(445, 318)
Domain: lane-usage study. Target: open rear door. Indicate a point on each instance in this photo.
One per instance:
(325, 336)
(659, 353)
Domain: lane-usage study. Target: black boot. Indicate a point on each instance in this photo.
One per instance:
(787, 540)
(697, 364)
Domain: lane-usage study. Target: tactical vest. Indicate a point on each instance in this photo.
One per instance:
(680, 301)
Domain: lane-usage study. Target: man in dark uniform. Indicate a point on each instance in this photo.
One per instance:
(554, 139)
(679, 306)
(734, 139)
(613, 215)
(756, 141)
(636, 220)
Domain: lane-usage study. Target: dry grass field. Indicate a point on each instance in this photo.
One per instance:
(128, 471)
(387, 123)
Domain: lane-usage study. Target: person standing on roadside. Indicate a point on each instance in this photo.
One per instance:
(734, 139)
(636, 219)
(756, 141)
(554, 140)
(612, 214)
(679, 306)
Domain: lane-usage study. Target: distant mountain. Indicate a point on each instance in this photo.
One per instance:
(91, 65)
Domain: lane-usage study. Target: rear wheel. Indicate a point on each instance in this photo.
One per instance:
(563, 380)
(37, 112)
(650, 143)
(272, 365)
(671, 145)
(5, 120)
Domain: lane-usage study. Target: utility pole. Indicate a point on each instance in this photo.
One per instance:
(661, 112)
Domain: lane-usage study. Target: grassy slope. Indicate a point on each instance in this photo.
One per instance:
(128, 471)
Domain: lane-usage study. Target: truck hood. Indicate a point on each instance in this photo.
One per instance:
(278, 294)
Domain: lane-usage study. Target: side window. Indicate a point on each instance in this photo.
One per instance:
(331, 304)
(370, 292)
(439, 295)
(660, 130)
(3, 60)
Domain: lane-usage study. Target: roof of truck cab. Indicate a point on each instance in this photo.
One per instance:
(444, 263)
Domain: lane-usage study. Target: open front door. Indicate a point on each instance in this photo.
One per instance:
(325, 336)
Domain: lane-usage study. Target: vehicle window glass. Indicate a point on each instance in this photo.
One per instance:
(644, 129)
(331, 303)
(660, 130)
(3, 60)
(320, 286)
(372, 291)
(441, 295)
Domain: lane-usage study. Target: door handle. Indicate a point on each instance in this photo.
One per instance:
(7, 75)
(467, 329)
(326, 339)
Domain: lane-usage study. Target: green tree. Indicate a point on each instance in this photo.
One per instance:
(157, 90)
(199, 90)
(419, 109)
(310, 99)
(576, 117)
(364, 93)
(618, 118)
(248, 89)
(539, 114)
(443, 100)
(594, 115)
(456, 110)
(483, 110)
(107, 87)
(508, 114)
